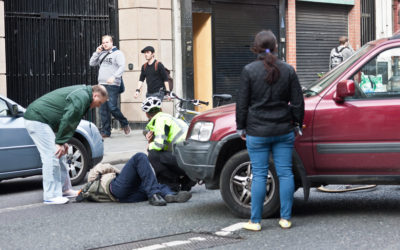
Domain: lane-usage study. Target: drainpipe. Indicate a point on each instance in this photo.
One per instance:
(177, 46)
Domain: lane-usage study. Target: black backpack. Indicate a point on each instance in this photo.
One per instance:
(170, 80)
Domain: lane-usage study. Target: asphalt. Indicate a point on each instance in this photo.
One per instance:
(119, 148)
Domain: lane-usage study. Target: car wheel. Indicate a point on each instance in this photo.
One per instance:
(235, 186)
(77, 161)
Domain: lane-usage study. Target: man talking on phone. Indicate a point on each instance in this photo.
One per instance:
(111, 61)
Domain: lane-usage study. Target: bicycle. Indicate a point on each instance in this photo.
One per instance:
(182, 110)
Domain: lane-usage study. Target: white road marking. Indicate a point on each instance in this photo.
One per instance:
(17, 208)
(171, 243)
(228, 230)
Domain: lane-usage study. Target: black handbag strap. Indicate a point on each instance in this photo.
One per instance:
(102, 59)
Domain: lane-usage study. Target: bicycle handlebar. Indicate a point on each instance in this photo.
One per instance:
(195, 102)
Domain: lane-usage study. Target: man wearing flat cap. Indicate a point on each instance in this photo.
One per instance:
(154, 73)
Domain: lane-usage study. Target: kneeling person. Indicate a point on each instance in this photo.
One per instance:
(134, 183)
(163, 131)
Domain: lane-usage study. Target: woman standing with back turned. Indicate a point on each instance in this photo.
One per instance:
(269, 105)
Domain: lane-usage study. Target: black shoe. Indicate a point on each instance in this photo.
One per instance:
(157, 200)
(187, 184)
(182, 196)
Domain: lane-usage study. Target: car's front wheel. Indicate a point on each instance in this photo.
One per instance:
(235, 186)
(77, 161)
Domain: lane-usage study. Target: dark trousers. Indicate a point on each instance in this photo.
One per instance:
(137, 181)
(167, 169)
(111, 107)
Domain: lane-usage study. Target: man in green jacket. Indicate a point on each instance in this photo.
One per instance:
(163, 131)
(51, 121)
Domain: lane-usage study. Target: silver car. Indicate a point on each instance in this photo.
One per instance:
(19, 156)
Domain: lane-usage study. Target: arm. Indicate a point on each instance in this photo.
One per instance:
(120, 62)
(164, 76)
(243, 100)
(296, 99)
(160, 138)
(69, 122)
(94, 60)
(140, 83)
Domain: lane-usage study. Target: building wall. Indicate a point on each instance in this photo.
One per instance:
(291, 33)
(143, 23)
(384, 19)
(354, 29)
(3, 83)
(355, 25)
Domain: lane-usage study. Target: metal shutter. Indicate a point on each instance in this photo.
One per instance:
(234, 28)
(318, 28)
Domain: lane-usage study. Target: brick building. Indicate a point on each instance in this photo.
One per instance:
(205, 43)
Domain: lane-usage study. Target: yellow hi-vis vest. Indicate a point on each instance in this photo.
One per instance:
(163, 123)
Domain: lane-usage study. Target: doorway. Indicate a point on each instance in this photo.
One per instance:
(202, 59)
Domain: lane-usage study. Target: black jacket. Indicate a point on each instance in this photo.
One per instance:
(264, 109)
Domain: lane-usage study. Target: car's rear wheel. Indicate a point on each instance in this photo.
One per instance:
(235, 186)
(77, 161)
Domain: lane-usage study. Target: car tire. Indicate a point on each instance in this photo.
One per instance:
(235, 187)
(77, 161)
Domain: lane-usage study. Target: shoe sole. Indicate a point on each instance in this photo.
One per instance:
(178, 198)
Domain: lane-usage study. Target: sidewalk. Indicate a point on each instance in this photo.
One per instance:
(119, 148)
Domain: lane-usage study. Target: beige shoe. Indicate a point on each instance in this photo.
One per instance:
(285, 224)
(252, 226)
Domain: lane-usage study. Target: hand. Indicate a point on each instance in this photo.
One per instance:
(136, 94)
(66, 146)
(243, 136)
(168, 97)
(149, 136)
(99, 49)
(60, 151)
(111, 80)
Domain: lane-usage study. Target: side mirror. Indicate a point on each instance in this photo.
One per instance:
(14, 110)
(344, 89)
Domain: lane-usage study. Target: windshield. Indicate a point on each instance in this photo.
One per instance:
(322, 83)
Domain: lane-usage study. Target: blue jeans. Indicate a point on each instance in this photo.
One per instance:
(137, 181)
(259, 149)
(54, 171)
(111, 107)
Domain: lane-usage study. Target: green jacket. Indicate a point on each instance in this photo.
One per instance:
(167, 131)
(62, 109)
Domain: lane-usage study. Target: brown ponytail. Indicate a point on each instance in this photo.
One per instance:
(265, 46)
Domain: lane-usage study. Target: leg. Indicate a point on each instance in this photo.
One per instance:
(44, 139)
(282, 154)
(105, 116)
(66, 180)
(136, 182)
(163, 173)
(113, 93)
(259, 148)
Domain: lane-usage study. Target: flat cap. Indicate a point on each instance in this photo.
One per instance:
(148, 48)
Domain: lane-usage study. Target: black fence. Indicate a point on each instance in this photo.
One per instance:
(367, 21)
(49, 43)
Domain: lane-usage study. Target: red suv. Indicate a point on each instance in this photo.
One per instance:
(351, 134)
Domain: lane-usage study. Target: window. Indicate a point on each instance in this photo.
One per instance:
(380, 77)
(4, 111)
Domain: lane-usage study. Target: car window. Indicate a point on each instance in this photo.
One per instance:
(3, 108)
(380, 77)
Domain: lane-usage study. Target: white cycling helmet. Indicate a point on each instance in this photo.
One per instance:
(151, 102)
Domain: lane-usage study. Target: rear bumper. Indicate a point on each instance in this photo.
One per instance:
(197, 159)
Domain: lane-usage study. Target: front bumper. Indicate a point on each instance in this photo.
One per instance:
(197, 159)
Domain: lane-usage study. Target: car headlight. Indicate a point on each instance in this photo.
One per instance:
(202, 131)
